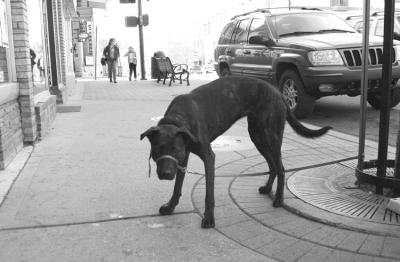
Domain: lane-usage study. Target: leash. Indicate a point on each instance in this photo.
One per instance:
(184, 169)
(149, 165)
(288, 170)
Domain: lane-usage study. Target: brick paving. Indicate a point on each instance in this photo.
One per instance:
(248, 218)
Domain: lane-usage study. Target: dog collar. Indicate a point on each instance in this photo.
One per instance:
(179, 167)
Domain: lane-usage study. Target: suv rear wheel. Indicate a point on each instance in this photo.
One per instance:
(292, 88)
(374, 99)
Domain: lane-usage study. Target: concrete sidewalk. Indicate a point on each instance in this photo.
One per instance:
(84, 193)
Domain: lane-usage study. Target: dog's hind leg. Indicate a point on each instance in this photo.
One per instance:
(169, 207)
(268, 142)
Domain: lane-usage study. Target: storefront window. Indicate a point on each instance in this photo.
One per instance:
(4, 70)
(37, 49)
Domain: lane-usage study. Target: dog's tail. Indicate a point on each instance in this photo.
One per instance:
(300, 129)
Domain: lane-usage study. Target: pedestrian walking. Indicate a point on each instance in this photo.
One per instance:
(111, 53)
(132, 61)
(40, 66)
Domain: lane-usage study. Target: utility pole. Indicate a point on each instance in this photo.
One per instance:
(133, 21)
(141, 44)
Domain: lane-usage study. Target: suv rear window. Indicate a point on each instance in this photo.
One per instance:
(227, 34)
(257, 27)
(240, 34)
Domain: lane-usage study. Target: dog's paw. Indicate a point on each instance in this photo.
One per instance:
(278, 202)
(166, 209)
(208, 222)
(264, 190)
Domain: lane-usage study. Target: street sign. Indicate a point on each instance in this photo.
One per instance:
(101, 4)
(127, 1)
(83, 35)
(131, 21)
(145, 19)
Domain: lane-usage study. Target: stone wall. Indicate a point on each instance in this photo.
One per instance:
(46, 110)
(11, 136)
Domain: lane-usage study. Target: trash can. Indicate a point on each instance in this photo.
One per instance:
(154, 67)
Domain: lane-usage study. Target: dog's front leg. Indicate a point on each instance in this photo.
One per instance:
(169, 207)
(209, 165)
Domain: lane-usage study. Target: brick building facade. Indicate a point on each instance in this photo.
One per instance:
(25, 115)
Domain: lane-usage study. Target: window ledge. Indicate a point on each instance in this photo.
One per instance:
(8, 92)
(41, 97)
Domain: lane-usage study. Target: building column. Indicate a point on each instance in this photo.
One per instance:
(23, 69)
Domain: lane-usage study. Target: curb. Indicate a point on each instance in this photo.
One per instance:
(9, 175)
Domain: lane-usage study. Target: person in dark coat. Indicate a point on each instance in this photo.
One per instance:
(111, 53)
(33, 57)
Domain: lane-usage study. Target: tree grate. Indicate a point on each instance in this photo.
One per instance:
(332, 188)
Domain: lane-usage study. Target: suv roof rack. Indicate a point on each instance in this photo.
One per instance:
(382, 12)
(262, 10)
(267, 10)
(351, 16)
(376, 13)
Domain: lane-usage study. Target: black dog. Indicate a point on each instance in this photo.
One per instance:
(192, 121)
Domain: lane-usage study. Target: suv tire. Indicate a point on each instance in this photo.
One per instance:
(292, 88)
(374, 99)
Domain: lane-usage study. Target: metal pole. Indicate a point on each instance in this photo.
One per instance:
(364, 86)
(397, 160)
(386, 86)
(95, 56)
(52, 49)
(141, 45)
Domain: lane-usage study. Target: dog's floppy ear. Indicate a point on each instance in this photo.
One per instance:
(186, 134)
(149, 132)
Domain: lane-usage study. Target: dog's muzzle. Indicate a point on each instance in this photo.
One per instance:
(168, 173)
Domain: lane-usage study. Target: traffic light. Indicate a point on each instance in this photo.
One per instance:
(127, 1)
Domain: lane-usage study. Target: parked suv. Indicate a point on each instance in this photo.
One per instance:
(375, 23)
(306, 53)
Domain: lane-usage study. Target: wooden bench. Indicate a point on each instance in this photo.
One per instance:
(174, 72)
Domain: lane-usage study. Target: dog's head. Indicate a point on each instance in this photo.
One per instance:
(168, 148)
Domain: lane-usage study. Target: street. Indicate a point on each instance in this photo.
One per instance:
(343, 114)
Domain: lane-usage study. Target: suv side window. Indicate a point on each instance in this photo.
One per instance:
(379, 27)
(240, 34)
(226, 34)
(257, 27)
(359, 26)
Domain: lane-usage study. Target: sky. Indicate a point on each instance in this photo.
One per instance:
(173, 24)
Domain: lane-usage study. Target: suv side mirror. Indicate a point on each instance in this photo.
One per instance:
(396, 36)
(261, 40)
